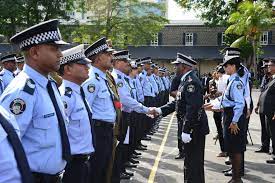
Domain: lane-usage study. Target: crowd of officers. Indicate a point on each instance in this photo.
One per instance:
(87, 126)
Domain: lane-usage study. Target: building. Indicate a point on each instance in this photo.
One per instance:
(197, 40)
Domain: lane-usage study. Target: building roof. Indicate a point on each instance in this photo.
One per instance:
(196, 52)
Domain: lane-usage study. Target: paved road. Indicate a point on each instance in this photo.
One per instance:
(158, 164)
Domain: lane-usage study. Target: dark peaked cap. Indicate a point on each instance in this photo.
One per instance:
(98, 47)
(10, 57)
(42, 33)
(122, 55)
(183, 59)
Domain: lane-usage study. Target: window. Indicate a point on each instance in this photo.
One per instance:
(264, 38)
(155, 41)
(189, 39)
(223, 39)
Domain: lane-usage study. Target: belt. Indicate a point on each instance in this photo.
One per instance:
(42, 177)
(81, 157)
(99, 123)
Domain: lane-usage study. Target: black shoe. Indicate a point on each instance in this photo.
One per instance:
(130, 165)
(143, 145)
(134, 161)
(134, 156)
(146, 138)
(262, 150)
(227, 170)
(129, 173)
(180, 156)
(137, 153)
(124, 176)
(271, 161)
(229, 174)
(141, 148)
(227, 161)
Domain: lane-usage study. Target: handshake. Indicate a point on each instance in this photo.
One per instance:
(154, 112)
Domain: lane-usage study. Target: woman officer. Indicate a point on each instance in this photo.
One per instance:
(233, 103)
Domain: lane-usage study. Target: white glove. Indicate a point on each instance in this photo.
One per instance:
(158, 110)
(185, 137)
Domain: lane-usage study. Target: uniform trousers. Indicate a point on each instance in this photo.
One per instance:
(265, 137)
(271, 130)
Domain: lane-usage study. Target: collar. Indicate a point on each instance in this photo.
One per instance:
(233, 76)
(184, 76)
(8, 72)
(36, 76)
(99, 72)
(144, 72)
(75, 87)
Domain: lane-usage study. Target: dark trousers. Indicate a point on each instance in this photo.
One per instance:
(103, 153)
(265, 138)
(77, 170)
(194, 160)
(180, 142)
(218, 121)
(120, 160)
(271, 130)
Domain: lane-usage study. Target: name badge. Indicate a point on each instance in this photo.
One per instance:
(49, 115)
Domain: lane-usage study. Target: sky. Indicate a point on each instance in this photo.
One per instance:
(175, 12)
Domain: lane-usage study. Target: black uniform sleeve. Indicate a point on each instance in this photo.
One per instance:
(193, 97)
(168, 108)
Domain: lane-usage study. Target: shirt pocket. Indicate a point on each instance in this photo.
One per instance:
(46, 130)
(75, 126)
(103, 97)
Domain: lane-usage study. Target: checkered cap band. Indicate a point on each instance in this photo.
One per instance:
(73, 57)
(121, 57)
(98, 49)
(9, 59)
(232, 53)
(41, 38)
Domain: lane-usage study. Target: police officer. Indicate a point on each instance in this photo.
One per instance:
(233, 103)
(14, 167)
(74, 71)
(188, 105)
(267, 99)
(265, 138)
(101, 100)
(34, 100)
(9, 66)
(127, 96)
(20, 61)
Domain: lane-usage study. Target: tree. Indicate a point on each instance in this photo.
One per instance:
(249, 21)
(18, 14)
(126, 22)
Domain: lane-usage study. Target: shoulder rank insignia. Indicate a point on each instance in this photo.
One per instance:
(17, 106)
(190, 88)
(119, 76)
(97, 76)
(29, 86)
(91, 88)
(68, 92)
(237, 78)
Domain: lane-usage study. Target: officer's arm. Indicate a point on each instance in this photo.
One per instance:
(91, 89)
(69, 103)
(127, 100)
(168, 108)
(237, 92)
(194, 100)
(21, 105)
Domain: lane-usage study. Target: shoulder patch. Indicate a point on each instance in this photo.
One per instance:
(17, 106)
(120, 84)
(29, 86)
(68, 92)
(91, 88)
(97, 76)
(191, 88)
(239, 86)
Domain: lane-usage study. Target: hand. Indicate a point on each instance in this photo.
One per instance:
(273, 118)
(257, 110)
(248, 113)
(208, 107)
(185, 137)
(234, 129)
(154, 111)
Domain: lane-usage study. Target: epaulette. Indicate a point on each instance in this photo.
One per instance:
(68, 92)
(119, 76)
(126, 79)
(97, 76)
(29, 86)
(237, 78)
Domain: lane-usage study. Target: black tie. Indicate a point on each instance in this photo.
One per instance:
(89, 112)
(66, 151)
(19, 152)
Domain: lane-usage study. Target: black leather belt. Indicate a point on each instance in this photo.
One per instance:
(99, 123)
(81, 157)
(42, 177)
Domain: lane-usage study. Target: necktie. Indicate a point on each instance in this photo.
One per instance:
(89, 113)
(66, 151)
(19, 152)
